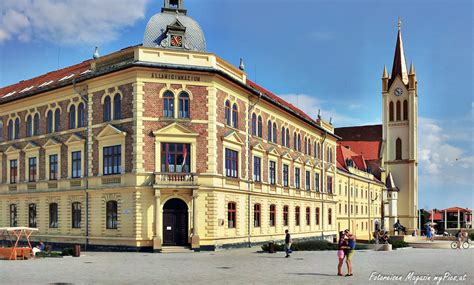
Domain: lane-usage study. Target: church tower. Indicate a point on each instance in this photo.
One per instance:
(400, 136)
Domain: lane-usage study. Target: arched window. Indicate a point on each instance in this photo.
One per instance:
(107, 109)
(398, 149)
(390, 112)
(32, 215)
(283, 140)
(183, 105)
(256, 215)
(80, 115)
(112, 217)
(72, 117)
(117, 107)
(10, 130)
(13, 215)
(330, 154)
(231, 215)
(288, 137)
(227, 112)
(317, 216)
(405, 110)
(76, 213)
(254, 124)
(305, 146)
(49, 122)
(53, 215)
(29, 126)
(235, 116)
(297, 216)
(57, 120)
(285, 215)
(319, 150)
(329, 216)
(269, 131)
(275, 133)
(299, 142)
(17, 128)
(309, 147)
(399, 111)
(36, 125)
(1, 131)
(260, 123)
(168, 104)
(295, 143)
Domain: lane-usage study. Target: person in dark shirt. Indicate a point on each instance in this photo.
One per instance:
(287, 243)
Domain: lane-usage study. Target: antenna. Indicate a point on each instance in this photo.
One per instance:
(96, 54)
(242, 66)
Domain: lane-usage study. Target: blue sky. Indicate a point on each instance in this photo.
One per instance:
(326, 55)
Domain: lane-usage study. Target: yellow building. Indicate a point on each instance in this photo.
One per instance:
(166, 144)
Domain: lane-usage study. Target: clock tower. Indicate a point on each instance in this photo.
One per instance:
(400, 137)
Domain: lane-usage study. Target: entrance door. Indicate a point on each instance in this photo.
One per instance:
(175, 223)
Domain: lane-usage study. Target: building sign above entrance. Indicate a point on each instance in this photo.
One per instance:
(172, 76)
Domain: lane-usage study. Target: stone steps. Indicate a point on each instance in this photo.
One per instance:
(176, 249)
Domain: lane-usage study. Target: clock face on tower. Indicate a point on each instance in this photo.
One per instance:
(398, 91)
(176, 41)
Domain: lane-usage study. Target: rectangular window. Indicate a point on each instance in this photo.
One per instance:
(76, 164)
(308, 180)
(13, 171)
(316, 182)
(53, 215)
(256, 215)
(13, 216)
(257, 169)
(53, 167)
(271, 173)
(231, 212)
(175, 157)
(297, 178)
(32, 169)
(272, 215)
(112, 160)
(297, 216)
(231, 163)
(329, 189)
(285, 175)
(285, 216)
(76, 215)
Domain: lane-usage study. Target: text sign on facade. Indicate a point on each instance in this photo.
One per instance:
(172, 76)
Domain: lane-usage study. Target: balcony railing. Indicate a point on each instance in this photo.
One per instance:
(175, 179)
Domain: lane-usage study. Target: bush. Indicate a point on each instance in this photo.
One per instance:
(44, 254)
(67, 251)
(313, 245)
(398, 244)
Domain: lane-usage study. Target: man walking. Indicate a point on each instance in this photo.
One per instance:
(287, 244)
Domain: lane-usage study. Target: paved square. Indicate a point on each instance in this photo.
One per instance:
(240, 266)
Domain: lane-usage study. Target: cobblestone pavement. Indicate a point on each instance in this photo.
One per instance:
(240, 266)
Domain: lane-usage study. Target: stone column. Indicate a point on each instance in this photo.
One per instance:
(195, 238)
(459, 220)
(445, 220)
(158, 218)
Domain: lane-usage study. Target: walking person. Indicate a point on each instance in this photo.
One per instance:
(459, 237)
(428, 233)
(432, 233)
(342, 245)
(287, 243)
(351, 243)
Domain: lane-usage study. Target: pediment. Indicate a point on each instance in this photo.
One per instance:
(273, 151)
(109, 131)
(258, 147)
(12, 149)
(175, 130)
(74, 139)
(286, 156)
(309, 162)
(233, 137)
(298, 160)
(51, 143)
(31, 146)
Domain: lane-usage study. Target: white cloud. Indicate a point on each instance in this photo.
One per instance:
(68, 21)
(312, 105)
(441, 162)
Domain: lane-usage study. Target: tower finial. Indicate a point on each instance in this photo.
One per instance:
(399, 23)
(241, 65)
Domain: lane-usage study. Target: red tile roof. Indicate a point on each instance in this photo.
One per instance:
(455, 209)
(369, 149)
(360, 133)
(437, 216)
(50, 79)
(279, 100)
(344, 153)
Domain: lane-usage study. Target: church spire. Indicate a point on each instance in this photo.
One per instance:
(399, 66)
